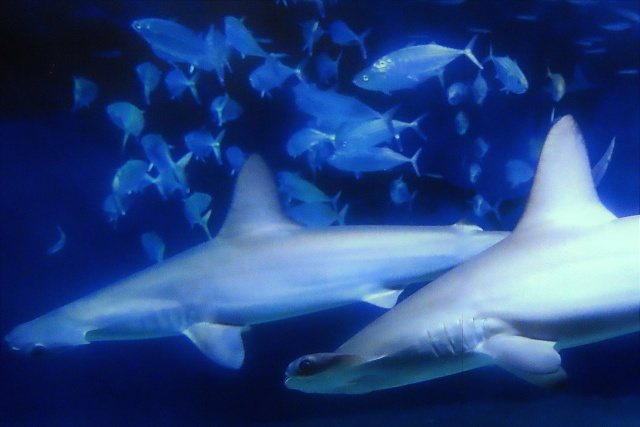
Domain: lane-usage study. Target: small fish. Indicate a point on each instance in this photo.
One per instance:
(461, 122)
(218, 53)
(628, 72)
(171, 175)
(127, 117)
(479, 88)
(305, 139)
(481, 207)
(518, 172)
(558, 85)
(371, 160)
(331, 109)
(400, 194)
(149, 75)
(59, 244)
(132, 177)
(225, 109)
(480, 148)
(509, 73)
(370, 133)
(342, 35)
(176, 44)
(616, 26)
(296, 188)
(177, 83)
(153, 246)
(84, 92)
(326, 67)
(456, 93)
(235, 158)
(115, 208)
(241, 39)
(579, 82)
(311, 33)
(406, 68)
(474, 172)
(201, 143)
(317, 214)
(272, 74)
(195, 209)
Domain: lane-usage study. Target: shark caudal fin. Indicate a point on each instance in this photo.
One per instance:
(563, 192)
(255, 208)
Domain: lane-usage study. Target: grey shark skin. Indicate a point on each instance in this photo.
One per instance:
(261, 267)
(568, 275)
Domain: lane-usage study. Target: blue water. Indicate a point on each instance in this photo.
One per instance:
(57, 166)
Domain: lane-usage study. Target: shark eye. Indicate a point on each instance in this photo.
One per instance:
(307, 367)
(38, 350)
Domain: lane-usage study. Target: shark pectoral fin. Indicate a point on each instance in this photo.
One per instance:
(533, 360)
(386, 298)
(220, 343)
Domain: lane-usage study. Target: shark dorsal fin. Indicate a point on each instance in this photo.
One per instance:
(255, 208)
(563, 193)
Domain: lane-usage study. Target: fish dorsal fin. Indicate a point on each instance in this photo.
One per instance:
(255, 208)
(563, 194)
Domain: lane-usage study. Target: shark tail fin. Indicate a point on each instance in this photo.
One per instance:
(563, 192)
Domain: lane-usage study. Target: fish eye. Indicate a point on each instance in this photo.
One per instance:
(365, 78)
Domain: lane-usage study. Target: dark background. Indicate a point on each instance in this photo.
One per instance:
(57, 166)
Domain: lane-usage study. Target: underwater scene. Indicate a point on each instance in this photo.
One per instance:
(320, 213)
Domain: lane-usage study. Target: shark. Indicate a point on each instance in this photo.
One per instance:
(568, 275)
(260, 267)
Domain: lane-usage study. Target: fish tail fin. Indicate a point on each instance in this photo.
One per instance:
(387, 117)
(496, 209)
(415, 125)
(343, 214)
(205, 224)
(191, 83)
(216, 146)
(468, 51)
(490, 57)
(334, 200)
(414, 161)
(124, 140)
(598, 171)
(298, 70)
(361, 38)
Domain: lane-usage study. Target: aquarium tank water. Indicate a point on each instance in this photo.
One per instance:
(124, 125)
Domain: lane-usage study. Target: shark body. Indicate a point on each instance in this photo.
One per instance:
(568, 275)
(261, 267)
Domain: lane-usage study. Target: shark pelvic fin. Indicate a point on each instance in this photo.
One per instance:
(220, 343)
(533, 360)
(563, 193)
(255, 208)
(386, 298)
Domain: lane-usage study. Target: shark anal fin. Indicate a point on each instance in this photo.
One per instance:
(220, 343)
(533, 360)
(386, 298)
